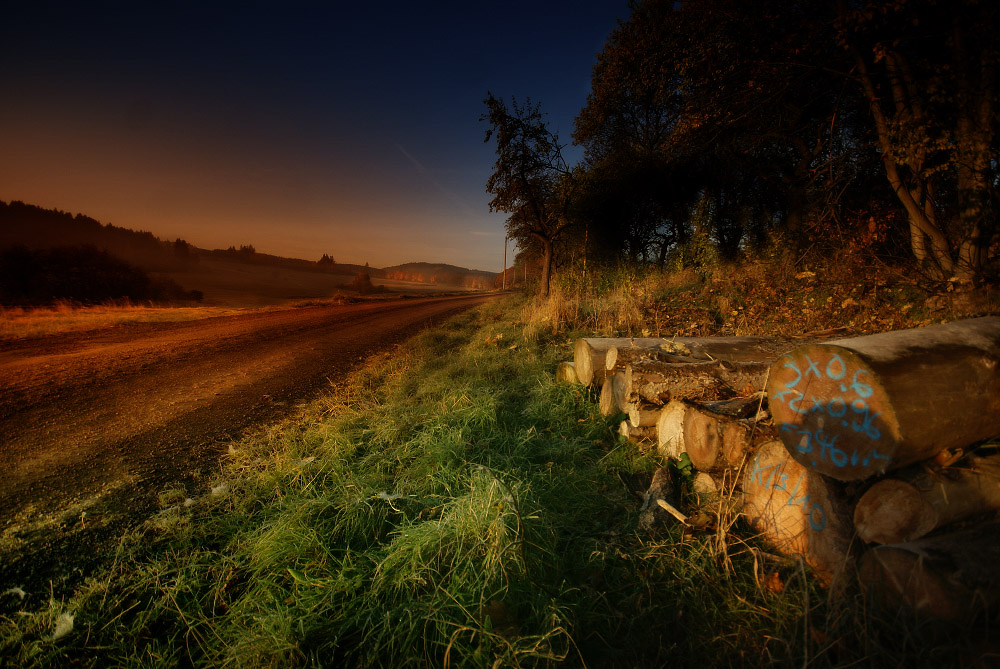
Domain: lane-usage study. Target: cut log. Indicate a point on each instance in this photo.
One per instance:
(637, 433)
(945, 577)
(799, 511)
(659, 382)
(918, 501)
(670, 430)
(643, 415)
(566, 373)
(853, 408)
(618, 357)
(590, 353)
(606, 400)
(712, 438)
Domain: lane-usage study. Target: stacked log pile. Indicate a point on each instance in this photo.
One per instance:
(850, 453)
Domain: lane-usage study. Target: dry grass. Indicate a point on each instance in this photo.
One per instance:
(759, 298)
(26, 322)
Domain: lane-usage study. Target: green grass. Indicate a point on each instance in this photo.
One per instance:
(453, 506)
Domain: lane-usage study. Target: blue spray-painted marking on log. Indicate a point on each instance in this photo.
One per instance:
(777, 480)
(849, 412)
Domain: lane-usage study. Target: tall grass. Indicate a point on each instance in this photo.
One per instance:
(450, 506)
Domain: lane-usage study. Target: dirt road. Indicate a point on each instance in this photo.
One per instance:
(93, 426)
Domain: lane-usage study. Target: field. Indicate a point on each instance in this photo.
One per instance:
(231, 283)
(229, 287)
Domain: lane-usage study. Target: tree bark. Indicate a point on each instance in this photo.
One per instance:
(907, 508)
(945, 577)
(799, 511)
(854, 408)
(659, 382)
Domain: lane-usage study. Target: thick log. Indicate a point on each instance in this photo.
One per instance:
(854, 408)
(659, 382)
(799, 511)
(944, 577)
(670, 430)
(918, 501)
(590, 353)
(566, 373)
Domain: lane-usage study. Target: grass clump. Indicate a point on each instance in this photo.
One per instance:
(450, 505)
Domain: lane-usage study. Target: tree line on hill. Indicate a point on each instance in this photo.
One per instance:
(48, 255)
(714, 127)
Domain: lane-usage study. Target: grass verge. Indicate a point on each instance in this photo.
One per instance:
(450, 506)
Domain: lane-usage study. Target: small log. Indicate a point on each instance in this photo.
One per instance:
(670, 430)
(854, 408)
(566, 373)
(906, 508)
(606, 400)
(643, 415)
(944, 577)
(590, 353)
(799, 511)
(637, 433)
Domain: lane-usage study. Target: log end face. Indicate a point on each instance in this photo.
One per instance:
(670, 430)
(891, 512)
(831, 412)
(797, 511)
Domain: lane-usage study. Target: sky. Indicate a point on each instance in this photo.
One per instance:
(302, 128)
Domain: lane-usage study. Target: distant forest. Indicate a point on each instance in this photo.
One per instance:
(716, 129)
(48, 255)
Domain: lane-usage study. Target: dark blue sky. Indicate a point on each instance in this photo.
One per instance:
(302, 128)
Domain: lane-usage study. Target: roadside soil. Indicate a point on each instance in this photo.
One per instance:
(94, 425)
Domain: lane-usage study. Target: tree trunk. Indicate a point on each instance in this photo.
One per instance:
(858, 407)
(945, 577)
(798, 511)
(906, 508)
(543, 288)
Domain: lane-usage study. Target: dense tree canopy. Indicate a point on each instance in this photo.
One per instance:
(726, 121)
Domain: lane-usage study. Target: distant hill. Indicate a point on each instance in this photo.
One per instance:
(441, 274)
